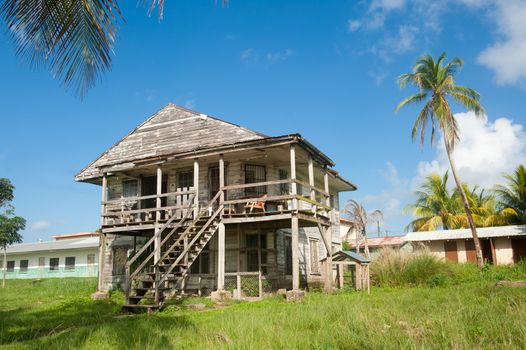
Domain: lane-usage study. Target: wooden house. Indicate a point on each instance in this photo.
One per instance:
(214, 206)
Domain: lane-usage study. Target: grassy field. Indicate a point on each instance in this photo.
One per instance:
(473, 313)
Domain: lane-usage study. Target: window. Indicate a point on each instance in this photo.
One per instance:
(185, 179)
(70, 263)
(257, 253)
(283, 188)
(23, 265)
(255, 174)
(91, 259)
(53, 264)
(130, 188)
(11, 266)
(213, 181)
(41, 262)
(314, 259)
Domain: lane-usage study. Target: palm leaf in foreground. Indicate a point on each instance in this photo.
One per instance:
(73, 38)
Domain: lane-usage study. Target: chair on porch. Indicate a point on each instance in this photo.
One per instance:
(256, 205)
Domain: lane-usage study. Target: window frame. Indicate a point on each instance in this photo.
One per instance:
(188, 173)
(12, 268)
(21, 268)
(70, 267)
(258, 191)
(53, 267)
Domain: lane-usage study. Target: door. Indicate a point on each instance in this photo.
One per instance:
(149, 187)
(450, 247)
(471, 255)
(213, 181)
(519, 249)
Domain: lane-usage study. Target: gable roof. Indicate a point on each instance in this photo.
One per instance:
(172, 130)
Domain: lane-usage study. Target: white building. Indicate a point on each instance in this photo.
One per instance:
(70, 255)
(500, 245)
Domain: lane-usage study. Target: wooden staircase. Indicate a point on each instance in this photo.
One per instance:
(153, 280)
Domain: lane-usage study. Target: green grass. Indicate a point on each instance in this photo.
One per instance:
(471, 313)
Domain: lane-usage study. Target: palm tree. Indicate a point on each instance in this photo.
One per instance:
(512, 196)
(74, 39)
(435, 206)
(436, 86)
(358, 216)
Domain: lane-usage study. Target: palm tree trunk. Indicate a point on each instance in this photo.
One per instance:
(478, 251)
(366, 246)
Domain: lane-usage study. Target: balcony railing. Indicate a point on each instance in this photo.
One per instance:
(275, 196)
(137, 210)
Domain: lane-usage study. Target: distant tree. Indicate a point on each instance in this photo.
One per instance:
(10, 225)
(436, 86)
(359, 217)
(511, 197)
(435, 206)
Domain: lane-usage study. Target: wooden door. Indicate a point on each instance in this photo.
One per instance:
(471, 255)
(450, 247)
(519, 249)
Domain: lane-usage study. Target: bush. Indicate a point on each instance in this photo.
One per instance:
(394, 268)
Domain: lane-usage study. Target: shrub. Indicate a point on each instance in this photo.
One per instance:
(393, 268)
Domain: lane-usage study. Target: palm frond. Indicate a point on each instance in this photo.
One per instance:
(73, 38)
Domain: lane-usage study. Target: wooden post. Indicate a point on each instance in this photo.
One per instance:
(196, 187)
(102, 237)
(311, 182)
(221, 257)
(104, 198)
(328, 238)
(358, 277)
(294, 186)
(260, 280)
(102, 255)
(238, 282)
(157, 242)
(295, 253)
(221, 178)
(340, 275)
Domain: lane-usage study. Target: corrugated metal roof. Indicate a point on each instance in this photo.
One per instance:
(348, 254)
(387, 241)
(66, 244)
(483, 232)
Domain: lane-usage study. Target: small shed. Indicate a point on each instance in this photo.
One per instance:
(346, 258)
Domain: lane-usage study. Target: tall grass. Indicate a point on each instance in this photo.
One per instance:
(396, 268)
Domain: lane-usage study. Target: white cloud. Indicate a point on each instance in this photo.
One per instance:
(507, 57)
(40, 225)
(486, 150)
(249, 54)
(273, 57)
(253, 56)
(353, 25)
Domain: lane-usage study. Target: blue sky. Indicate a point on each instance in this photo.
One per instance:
(324, 69)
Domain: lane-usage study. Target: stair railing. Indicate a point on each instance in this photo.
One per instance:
(184, 218)
(204, 210)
